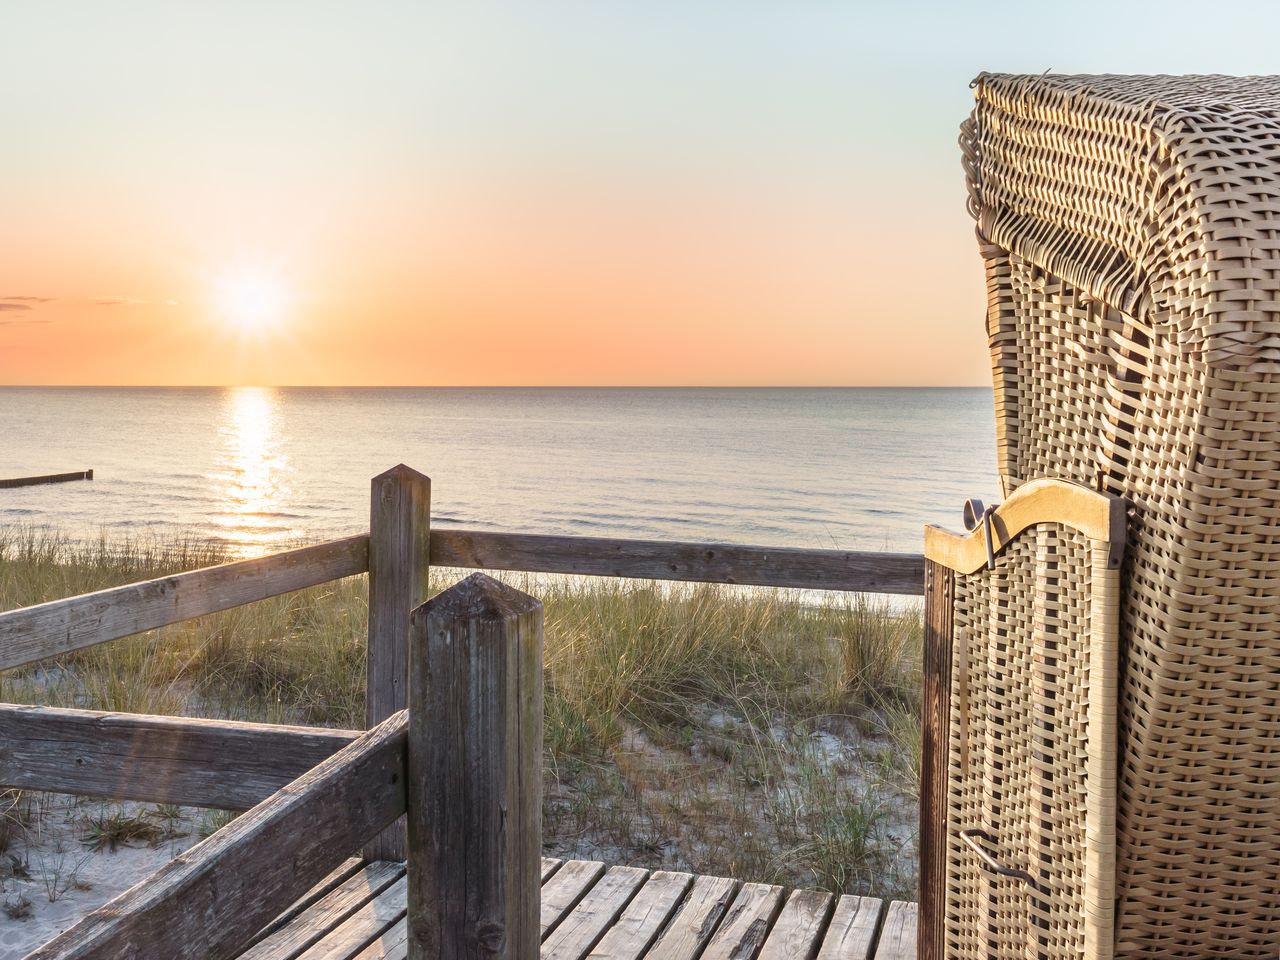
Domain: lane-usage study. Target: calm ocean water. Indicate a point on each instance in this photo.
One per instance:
(257, 468)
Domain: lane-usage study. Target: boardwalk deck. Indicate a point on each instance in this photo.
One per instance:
(620, 913)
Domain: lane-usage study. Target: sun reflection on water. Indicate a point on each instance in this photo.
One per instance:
(251, 473)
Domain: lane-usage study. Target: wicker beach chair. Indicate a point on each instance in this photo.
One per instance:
(1130, 228)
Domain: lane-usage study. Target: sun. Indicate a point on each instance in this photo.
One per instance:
(252, 301)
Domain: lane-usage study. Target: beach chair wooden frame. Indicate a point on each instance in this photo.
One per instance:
(1018, 773)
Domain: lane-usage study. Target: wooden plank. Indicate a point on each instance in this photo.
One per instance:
(399, 528)
(587, 922)
(312, 923)
(851, 934)
(209, 902)
(898, 935)
(645, 916)
(549, 866)
(742, 932)
(563, 891)
(939, 606)
(798, 931)
(362, 927)
(475, 772)
(696, 921)
(61, 626)
(338, 876)
(392, 945)
(868, 572)
(204, 763)
(46, 478)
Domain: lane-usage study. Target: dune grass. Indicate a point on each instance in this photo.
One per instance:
(712, 729)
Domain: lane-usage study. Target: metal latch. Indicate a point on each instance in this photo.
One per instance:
(975, 513)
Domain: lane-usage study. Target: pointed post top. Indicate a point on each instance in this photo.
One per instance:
(479, 597)
(400, 472)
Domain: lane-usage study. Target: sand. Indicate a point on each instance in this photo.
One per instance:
(49, 878)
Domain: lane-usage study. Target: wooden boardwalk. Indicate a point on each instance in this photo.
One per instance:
(618, 913)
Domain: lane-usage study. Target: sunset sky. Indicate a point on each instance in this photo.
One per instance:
(694, 192)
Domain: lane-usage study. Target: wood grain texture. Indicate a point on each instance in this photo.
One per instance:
(338, 876)
(742, 932)
(46, 478)
(310, 925)
(475, 773)
(797, 933)
(374, 918)
(900, 573)
(851, 934)
(210, 902)
(60, 626)
(898, 935)
(563, 891)
(203, 763)
(696, 920)
(645, 916)
(595, 913)
(392, 945)
(939, 604)
(399, 533)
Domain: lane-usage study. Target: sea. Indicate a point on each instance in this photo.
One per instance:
(258, 469)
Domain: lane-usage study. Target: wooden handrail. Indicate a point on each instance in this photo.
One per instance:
(58, 627)
(732, 563)
(61, 626)
(207, 763)
(209, 903)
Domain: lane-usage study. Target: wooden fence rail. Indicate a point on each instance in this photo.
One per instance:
(207, 763)
(208, 903)
(61, 626)
(230, 765)
(865, 572)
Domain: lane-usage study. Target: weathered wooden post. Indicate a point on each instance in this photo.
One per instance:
(474, 791)
(399, 536)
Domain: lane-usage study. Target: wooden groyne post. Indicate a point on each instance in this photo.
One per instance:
(47, 478)
(474, 787)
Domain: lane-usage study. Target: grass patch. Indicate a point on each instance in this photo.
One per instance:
(111, 829)
(698, 727)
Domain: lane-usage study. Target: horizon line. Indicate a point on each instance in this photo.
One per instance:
(492, 386)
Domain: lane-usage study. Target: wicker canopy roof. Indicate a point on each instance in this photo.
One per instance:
(1160, 196)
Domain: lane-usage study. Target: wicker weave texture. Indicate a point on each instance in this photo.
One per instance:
(1022, 730)
(1130, 229)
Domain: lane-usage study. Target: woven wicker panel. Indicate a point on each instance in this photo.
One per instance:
(1019, 750)
(1131, 234)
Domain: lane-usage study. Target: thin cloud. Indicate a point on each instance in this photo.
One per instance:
(15, 323)
(30, 303)
(120, 302)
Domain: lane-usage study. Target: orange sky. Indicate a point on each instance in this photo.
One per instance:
(553, 193)
(549, 286)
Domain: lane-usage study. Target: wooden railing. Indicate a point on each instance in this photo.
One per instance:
(43, 744)
(286, 773)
